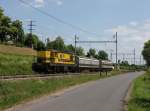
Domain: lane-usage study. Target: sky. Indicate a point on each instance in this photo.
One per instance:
(100, 18)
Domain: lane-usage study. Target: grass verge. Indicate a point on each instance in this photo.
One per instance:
(140, 96)
(14, 92)
(15, 64)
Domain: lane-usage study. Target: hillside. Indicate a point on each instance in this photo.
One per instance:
(16, 50)
(16, 60)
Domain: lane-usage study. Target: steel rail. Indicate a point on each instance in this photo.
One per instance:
(43, 76)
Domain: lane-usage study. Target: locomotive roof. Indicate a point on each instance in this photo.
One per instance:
(60, 51)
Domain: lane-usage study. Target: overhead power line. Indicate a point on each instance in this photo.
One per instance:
(57, 19)
(114, 41)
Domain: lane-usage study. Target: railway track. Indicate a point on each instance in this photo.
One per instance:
(42, 76)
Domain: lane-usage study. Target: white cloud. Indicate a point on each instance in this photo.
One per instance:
(123, 30)
(56, 2)
(132, 35)
(59, 3)
(39, 3)
(133, 23)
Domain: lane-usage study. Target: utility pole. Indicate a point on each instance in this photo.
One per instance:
(75, 43)
(134, 55)
(108, 41)
(31, 30)
(140, 60)
(116, 50)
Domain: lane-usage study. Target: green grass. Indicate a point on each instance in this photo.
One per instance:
(15, 64)
(14, 92)
(140, 97)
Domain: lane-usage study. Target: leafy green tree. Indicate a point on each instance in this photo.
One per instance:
(13, 33)
(40, 46)
(80, 51)
(1, 13)
(4, 25)
(124, 63)
(102, 55)
(146, 52)
(4, 28)
(31, 41)
(91, 53)
(19, 33)
(70, 48)
(10, 30)
(57, 44)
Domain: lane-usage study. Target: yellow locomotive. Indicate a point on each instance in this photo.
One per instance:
(54, 61)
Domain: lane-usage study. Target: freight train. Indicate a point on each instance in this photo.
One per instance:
(52, 61)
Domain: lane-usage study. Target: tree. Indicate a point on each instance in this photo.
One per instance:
(79, 51)
(34, 42)
(70, 48)
(31, 41)
(124, 63)
(91, 53)
(13, 33)
(146, 52)
(40, 46)
(102, 55)
(1, 13)
(10, 30)
(18, 35)
(57, 44)
(4, 28)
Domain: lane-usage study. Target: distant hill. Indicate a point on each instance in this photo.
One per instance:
(17, 50)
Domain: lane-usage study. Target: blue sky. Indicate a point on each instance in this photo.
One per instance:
(130, 18)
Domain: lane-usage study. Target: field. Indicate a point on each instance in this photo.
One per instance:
(14, 92)
(140, 97)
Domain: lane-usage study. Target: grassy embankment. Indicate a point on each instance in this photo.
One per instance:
(14, 92)
(15, 60)
(140, 96)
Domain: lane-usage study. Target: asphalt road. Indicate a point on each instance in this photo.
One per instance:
(102, 95)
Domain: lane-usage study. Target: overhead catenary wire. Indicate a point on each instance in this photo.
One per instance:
(58, 20)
